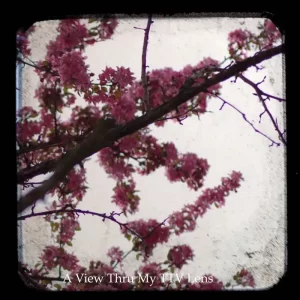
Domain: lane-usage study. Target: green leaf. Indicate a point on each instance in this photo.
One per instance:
(172, 269)
(69, 243)
(92, 20)
(78, 229)
(128, 236)
(93, 33)
(227, 284)
(34, 114)
(36, 265)
(138, 256)
(58, 286)
(55, 227)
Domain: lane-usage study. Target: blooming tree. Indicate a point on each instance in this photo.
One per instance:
(114, 126)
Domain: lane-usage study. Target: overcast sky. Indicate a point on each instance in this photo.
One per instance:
(252, 219)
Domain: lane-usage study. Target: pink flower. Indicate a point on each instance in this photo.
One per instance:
(171, 152)
(179, 255)
(107, 27)
(238, 36)
(72, 33)
(144, 228)
(269, 26)
(244, 278)
(208, 283)
(107, 76)
(68, 226)
(124, 110)
(68, 261)
(49, 257)
(153, 270)
(72, 70)
(125, 196)
(123, 77)
(114, 165)
(128, 143)
(206, 62)
(190, 169)
(116, 254)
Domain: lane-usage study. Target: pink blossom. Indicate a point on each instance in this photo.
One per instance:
(244, 278)
(125, 196)
(188, 168)
(206, 62)
(177, 222)
(46, 119)
(123, 77)
(68, 226)
(70, 100)
(68, 261)
(23, 42)
(72, 70)
(208, 283)
(113, 164)
(153, 270)
(171, 152)
(128, 143)
(143, 228)
(72, 33)
(84, 119)
(179, 255)
(116, 254)
(125, 109)
(49, 257)
(270, 26)
(107, 27)
(49, 97)
(93, 99)
(187, 71)
(107, 76)
(27, 130)
(233, 182)
(238, 36)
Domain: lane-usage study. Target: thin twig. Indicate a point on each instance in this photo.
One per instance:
(245, 118)
(117, 262)
(87, 212)
(182, 114)
(259, 94)
(144, 64)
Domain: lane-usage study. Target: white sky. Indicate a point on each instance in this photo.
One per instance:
(252, 219)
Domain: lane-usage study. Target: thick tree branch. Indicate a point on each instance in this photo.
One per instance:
(49, 145)
(99, 140)
(42, 168)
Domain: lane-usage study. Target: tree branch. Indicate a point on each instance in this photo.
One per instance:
(97, 141)
(245, 118)
(259, 94)
(69, 208)
(42, 168)
(144, 65)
